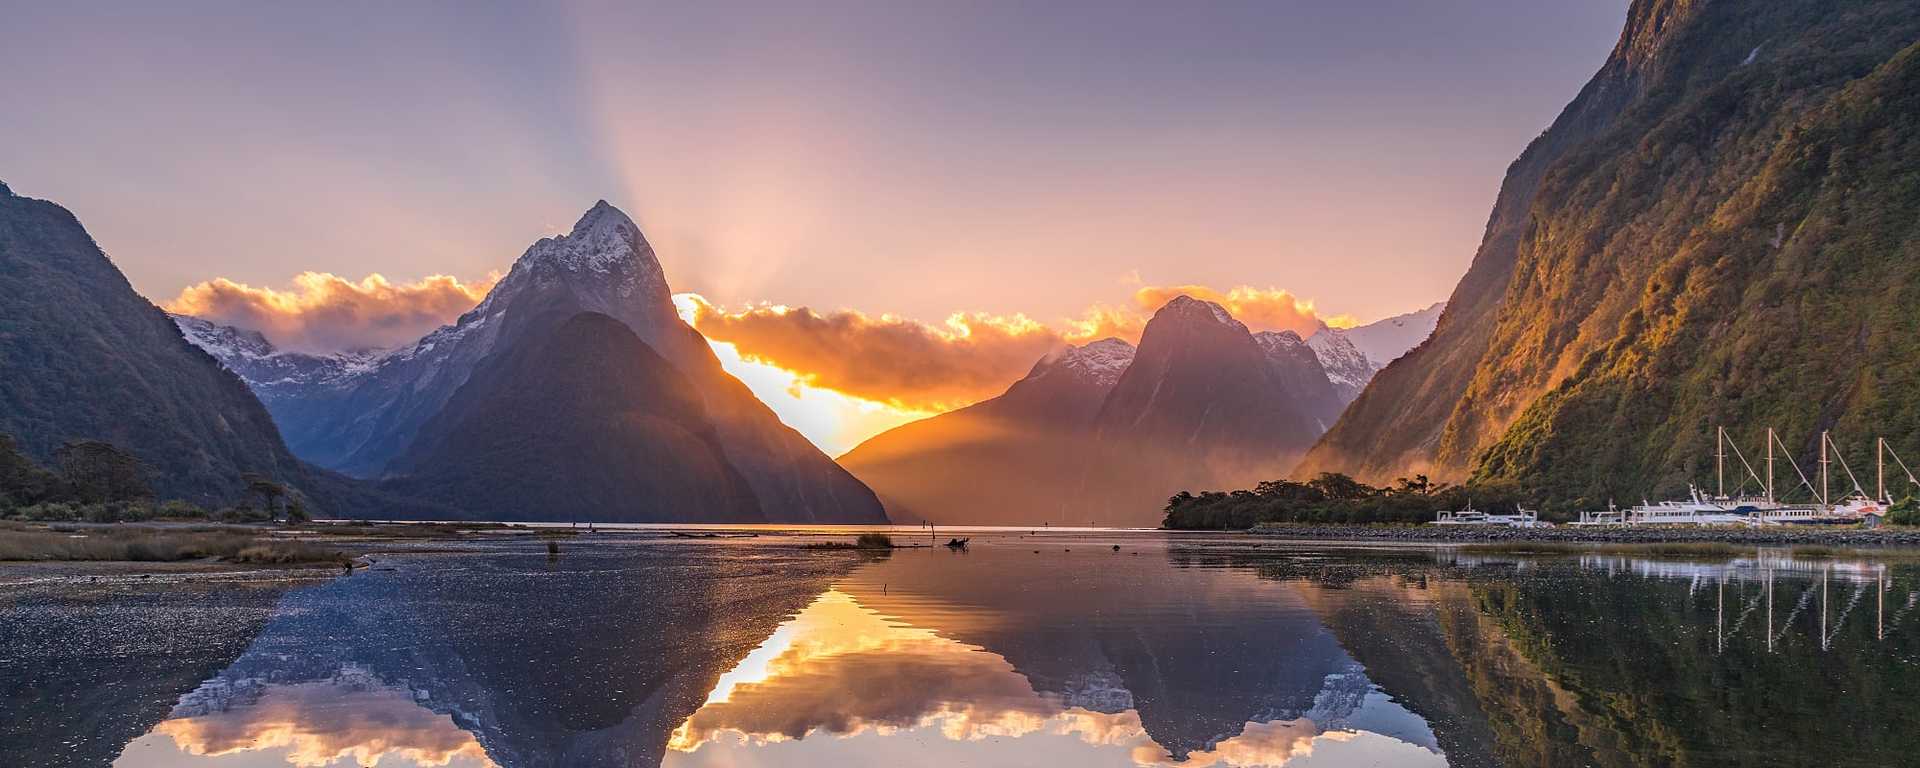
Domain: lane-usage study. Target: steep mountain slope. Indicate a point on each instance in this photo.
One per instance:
(1202, 406)
(85, 356)
(1720, 229)
(1011, 460)
(362, 422)
(582, 421)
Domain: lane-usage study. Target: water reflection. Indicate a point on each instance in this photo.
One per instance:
(1039, 650)
(352, 718)
(851, 678)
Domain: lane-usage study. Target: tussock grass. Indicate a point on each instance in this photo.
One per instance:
(866, 541)
(148, 545)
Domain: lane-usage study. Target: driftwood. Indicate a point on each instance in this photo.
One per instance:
(727, 535)
(957, 543)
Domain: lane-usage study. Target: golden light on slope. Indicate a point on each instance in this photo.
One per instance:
(834, 421)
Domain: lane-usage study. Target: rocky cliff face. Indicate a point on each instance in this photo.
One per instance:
(1718, 230)
(85, 357)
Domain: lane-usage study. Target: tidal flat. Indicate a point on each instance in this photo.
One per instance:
(642, 647)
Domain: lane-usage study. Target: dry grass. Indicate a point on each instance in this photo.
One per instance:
(866, 541)
(150, 545)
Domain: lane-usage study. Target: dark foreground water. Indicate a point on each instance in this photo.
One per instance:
(1049, 650)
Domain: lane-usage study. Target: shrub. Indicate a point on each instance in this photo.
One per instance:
(178, 509)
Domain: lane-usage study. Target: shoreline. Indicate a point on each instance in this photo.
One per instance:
(1787, 535)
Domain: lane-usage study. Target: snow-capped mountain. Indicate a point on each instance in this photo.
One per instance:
(269, 370)
(1348, 369)
(1384, 341)
(1097, 362)
(1302, 376)
(363, 419)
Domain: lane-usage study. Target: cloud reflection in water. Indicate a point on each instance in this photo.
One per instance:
(841, 683)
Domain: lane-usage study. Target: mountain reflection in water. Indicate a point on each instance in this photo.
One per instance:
(1057, 650)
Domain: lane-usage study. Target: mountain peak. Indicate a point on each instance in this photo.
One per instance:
(603, 262)
(1184, 308)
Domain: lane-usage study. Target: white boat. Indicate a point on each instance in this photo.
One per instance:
(1522, 518)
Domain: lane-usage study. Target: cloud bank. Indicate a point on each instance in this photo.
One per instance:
(969, 357)
(324, 312)
(906, 364)
(883, 358)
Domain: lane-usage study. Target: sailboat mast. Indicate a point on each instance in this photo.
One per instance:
(1823, 470)
(1769, 465)
(1720, 462)
(1880, 468)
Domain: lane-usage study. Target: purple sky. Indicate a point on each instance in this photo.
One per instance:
(894, 157)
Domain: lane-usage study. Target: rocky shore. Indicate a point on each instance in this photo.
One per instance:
(1835, 536)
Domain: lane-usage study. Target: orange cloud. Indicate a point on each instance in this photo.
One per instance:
(972, 356)
(310, 725)
(1262, 309)
(886, 359)
(325, 312)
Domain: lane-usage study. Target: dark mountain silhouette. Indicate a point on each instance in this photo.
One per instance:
(582, 421)
(85, 357)
(361, 415)
(1202, 406)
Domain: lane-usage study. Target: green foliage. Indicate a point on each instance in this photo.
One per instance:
(1905, 511)
(1745, 252)
(297, 512)
(98, 472)
(1725, 232)
(1330, 498)
(184, 510)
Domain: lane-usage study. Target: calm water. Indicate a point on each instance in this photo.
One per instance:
(1042, 650)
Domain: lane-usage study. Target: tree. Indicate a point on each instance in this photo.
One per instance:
(270, 493)
(22, 482)
(1416, 485)
(100, 472)
(1341, 487)
(297, 511)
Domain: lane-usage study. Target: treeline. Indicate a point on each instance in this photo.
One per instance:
(97, 482)
(1331, 498)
